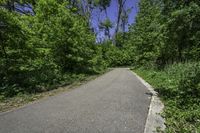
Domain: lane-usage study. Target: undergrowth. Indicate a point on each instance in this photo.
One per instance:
(178, 86)
(69, 82)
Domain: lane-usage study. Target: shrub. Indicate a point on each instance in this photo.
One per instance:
(189, 86)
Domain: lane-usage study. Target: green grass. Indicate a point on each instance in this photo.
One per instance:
(178, 86)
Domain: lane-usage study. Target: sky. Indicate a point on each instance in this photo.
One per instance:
(112, 14)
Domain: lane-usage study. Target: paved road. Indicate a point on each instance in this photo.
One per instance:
(114, 103)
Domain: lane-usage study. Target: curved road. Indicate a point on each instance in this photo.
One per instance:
(114, 103)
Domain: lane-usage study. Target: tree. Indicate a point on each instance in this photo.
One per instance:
(103, 4)
(41, 50)
(145, 34)
(106, 26)
(182, 30)
(121, 4)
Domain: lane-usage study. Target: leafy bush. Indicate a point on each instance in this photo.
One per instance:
(178, 86)
(114, 56)
(40, 51)
(189, 86)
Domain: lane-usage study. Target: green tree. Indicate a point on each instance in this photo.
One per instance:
(106, 25)
(145, 34)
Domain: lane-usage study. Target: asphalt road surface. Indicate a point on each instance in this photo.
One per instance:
(114, 103)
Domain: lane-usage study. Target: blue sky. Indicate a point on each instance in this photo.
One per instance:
(112, 14)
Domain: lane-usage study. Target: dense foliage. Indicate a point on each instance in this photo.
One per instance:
(178, 86)
(167, 32)
(43, 49)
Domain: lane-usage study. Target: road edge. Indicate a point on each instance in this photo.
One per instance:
(154, 119)
(65, 89)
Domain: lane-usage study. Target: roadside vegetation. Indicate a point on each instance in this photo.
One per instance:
(165, 41)
(178, 85)
(9, 103)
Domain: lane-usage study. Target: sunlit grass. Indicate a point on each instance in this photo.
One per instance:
(178, 87)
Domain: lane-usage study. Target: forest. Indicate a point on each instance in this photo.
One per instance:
(46, 43)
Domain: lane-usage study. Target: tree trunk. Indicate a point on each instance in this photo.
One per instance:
(119, 15)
